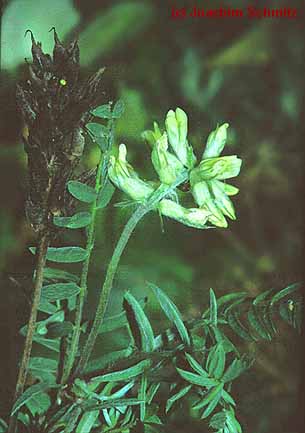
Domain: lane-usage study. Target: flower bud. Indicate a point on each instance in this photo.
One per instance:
(220, 168)
(176, 127)
(166, 165)
(123, 175)
(216, 142)
(193, 217)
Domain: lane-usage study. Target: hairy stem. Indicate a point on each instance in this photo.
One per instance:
(41, 260)
(142, 210)
(84, 276)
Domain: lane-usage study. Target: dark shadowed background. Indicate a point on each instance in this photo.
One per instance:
(249, 73)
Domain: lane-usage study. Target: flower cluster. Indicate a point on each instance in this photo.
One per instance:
(55, 105)
(171, 155)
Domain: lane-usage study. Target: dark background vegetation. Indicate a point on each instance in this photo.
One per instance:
(249, 73)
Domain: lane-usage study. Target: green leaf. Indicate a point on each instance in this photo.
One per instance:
(30, 393)
(100, 134)
(90, 405)
(126, 374)
(81, 191)
(77, 221)
(216, 361)
(218, 420)
(238, 327)
(72, 420)
(213, 403)
(195, 379)
(64, 254)
(47, 307)
(213, 308)
(183, 391)
(58, 291)
(39, 404)
(142, 396)
(50, 344)
(103, 111)
(46, 365)
(138, 323)
(105, 195)
(3, 426)
(171, 312)
(87, 421)
(109, 358)
(228, 398)
(284, 292)
(234, 370)
(257, 323)
(50, 274)
(209, 397)
(58, 330)
(195, 365)
(118, 109)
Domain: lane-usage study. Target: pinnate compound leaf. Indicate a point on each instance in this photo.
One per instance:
(30, 393)
(64, 254)
(81, 191)
(139, 323)
(58, 291)
(77, 221)
(195, 379)
(171, 312)
(126, 374)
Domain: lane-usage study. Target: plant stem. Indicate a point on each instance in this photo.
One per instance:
(41, 254)
(84, 276)
(142, 210)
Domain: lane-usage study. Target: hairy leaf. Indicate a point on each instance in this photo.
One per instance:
(58, 291)
(77, 221)
(171, 312)
(126, 374)
(64, 254)
(195, 379)
(138, 323)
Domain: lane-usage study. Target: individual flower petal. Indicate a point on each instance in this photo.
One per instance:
(222, 201)
(216, 142)
(176, 128)
(152, 136)
(125, 177)
(166, 165)
(193, 217)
